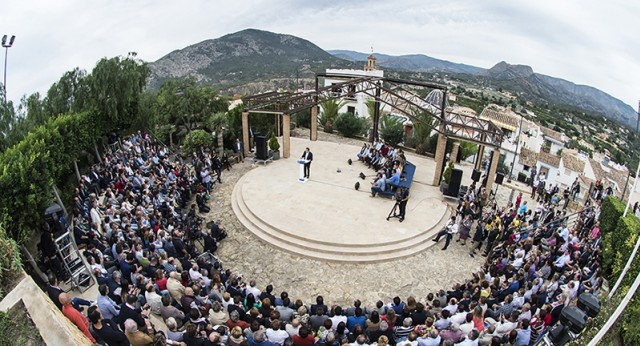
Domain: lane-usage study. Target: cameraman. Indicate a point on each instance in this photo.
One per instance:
(402, 196)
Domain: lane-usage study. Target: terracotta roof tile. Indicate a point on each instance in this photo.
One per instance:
(528, 157)
(572, 163)
(504, 119)
(549, 159)
(551, 133)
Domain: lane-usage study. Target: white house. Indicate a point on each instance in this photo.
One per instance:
(355, 102)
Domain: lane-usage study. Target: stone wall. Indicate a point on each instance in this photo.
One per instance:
(53, 326)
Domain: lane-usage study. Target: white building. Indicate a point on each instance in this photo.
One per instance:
(355, 102)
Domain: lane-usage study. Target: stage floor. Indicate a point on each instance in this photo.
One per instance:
(326, 218)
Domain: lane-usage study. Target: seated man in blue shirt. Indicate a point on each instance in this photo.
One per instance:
(379, 184)
(394, 181)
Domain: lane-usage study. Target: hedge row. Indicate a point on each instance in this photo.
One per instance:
(619, 238)
(30, 168)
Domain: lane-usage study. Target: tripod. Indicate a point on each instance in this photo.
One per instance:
(393, 212)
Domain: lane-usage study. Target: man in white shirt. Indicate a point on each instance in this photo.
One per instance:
(275, 335)
(252, 289)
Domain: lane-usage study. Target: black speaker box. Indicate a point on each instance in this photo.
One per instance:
(454, 182)
(261, 147)
(499, 178)
(475, 175)
(573, 318)
(589, 303)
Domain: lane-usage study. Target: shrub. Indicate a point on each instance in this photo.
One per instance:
(392, 134)
(273, 143)
(303, 118)
(612, 210)
(412, 142)
(10, 261)
(350, 125)
(196, 139)
(447, 172)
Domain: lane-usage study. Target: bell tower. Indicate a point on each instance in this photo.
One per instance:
(371, 62)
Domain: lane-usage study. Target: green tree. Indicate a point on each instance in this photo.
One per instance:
(218, 122)
(196, 139)
(115, 88)
(70, 93)
(350, 125)
(330, 108)
(423, 124)
(392, 130)
(187, 105)
(467, 149)
(7, 121)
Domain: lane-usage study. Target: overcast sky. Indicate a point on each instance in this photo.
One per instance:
(586, 42)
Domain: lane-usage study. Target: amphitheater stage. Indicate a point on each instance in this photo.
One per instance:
(326, 218)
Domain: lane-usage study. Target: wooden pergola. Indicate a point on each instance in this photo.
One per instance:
(396, 94)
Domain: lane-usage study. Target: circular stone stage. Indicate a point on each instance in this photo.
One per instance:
(326, 218)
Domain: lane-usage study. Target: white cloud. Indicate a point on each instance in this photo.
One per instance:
(587, 42)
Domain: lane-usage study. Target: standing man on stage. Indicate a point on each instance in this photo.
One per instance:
(307, 156)
(239, 149)
(402, 196)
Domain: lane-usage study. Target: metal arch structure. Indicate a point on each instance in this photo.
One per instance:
(388, 91)
(394, 93)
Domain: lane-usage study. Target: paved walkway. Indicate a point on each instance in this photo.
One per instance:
(427, 271)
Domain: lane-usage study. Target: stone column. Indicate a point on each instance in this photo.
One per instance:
(480, 154)
(286, 131)
(245, 132)
(439, 157)
(314, 123)
(454, 152)
(494, 167)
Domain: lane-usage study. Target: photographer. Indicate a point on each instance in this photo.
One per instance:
(402, 197)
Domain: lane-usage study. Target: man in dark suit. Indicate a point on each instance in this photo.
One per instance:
(54, 292)
(307, 156)
(129, 310)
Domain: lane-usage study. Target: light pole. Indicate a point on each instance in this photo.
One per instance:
(6, 45)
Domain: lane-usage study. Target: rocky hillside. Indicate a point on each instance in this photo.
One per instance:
(251, 60)
(539, 88)
(412, 62)
(245, 56)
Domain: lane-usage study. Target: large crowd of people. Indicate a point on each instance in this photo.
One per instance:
(145, 243)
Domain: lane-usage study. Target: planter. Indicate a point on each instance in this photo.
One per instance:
(275, 155)
(444, 187)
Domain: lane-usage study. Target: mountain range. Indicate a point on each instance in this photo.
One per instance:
(253, 60)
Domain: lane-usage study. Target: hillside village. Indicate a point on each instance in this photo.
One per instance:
(534, 150)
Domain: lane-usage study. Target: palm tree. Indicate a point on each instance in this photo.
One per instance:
(423, 124)
(330, 109)
(219, 121)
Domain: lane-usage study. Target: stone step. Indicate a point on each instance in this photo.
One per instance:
(338, 248)
(329, 243)
(332, 252)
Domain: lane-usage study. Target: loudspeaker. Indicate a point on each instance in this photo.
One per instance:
(573, 318)
(559, 335)
(590, 304)
(475, 175)
(261, 147)
(454, 182)
(499, 178)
